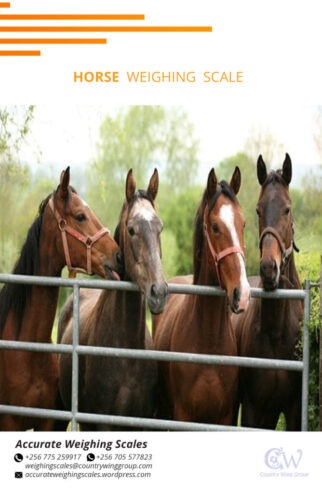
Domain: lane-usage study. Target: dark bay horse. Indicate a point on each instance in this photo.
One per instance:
(66, 232)
(270, 328)
(117, 319)
(202, 324)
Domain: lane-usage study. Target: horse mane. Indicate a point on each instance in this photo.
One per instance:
(15, 296)
(198, 239)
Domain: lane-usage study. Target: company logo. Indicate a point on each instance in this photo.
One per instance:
(278, 459)
(283, 463)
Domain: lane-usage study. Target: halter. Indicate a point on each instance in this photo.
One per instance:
(88, 241)
(217, 257)
(286, 252)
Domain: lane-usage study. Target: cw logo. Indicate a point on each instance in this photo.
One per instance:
(276, 458)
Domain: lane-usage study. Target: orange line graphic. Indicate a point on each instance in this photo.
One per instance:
(4, 5)
(77, 17)
(130, 29)
(19, 53)
(52, 41)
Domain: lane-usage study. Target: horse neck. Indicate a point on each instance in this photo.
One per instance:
(277, 313)
(123, 320)
(40, 302)
(211, 313)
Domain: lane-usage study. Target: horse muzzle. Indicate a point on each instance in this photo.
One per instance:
(157, 297)
(239, 299)
(270, 274)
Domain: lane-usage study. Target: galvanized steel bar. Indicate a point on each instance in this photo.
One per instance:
(306, 358)
(129, 286)
(144, 354)
(75, 361)
(75, 349)
(148, 423)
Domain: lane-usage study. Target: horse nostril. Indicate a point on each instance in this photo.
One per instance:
(236, 297)
(159, 290)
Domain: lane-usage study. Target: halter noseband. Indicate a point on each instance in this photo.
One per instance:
(88, 241)
(217, 257)
(286, 252)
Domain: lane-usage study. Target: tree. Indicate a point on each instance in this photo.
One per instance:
(141, 137)
(14, 127)
(261, 141)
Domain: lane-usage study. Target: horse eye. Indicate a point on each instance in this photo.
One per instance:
(287, 211)
(131, 231)
(215, 228)
(80, 217)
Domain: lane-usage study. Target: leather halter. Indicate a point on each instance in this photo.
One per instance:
(88, 241)
(217, 257)
(286, 252)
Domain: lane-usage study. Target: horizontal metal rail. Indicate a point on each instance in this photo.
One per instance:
(148, 423)
(145, 354)
(75, 350)
(129, 286)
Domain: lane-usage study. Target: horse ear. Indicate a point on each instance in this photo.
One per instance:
(64, 181)
(261, 170)
(153, 185)
(211, 184)
(287, 169)
(130, 186)
(235, 181)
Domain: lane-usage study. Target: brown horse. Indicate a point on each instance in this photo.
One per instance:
(66, 232)
(202, 324)
(117, 319)
(270, 328)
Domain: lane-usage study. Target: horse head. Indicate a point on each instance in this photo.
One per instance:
(138, 234)
(82, 243)
(275, 221)
(223, 232)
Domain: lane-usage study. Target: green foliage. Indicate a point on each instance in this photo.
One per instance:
(14, 126)
(178, 214)
(308, 267)
(141, 137)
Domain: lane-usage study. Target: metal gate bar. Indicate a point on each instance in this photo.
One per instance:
(75, 349)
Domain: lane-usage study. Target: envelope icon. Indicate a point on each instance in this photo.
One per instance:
(18, 475)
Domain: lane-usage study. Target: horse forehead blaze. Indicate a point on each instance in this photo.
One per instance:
(227, 215)
(144, 209)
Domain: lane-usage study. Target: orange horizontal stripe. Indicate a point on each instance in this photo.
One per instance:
(4, 5)
(19, 53)
(129, 29)
(52, 41)
(78, 17)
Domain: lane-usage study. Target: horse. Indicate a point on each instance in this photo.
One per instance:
(270, 328)
(202, 324)
(65, 232)
(119, 386)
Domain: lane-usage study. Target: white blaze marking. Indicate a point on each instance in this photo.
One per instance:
(144, 209)
(226, 214)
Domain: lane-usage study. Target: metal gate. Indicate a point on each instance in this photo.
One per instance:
(75, 350)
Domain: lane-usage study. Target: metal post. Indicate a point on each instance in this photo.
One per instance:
(75, 356)
(306, 356)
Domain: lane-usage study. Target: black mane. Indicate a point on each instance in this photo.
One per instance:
(222, 188)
